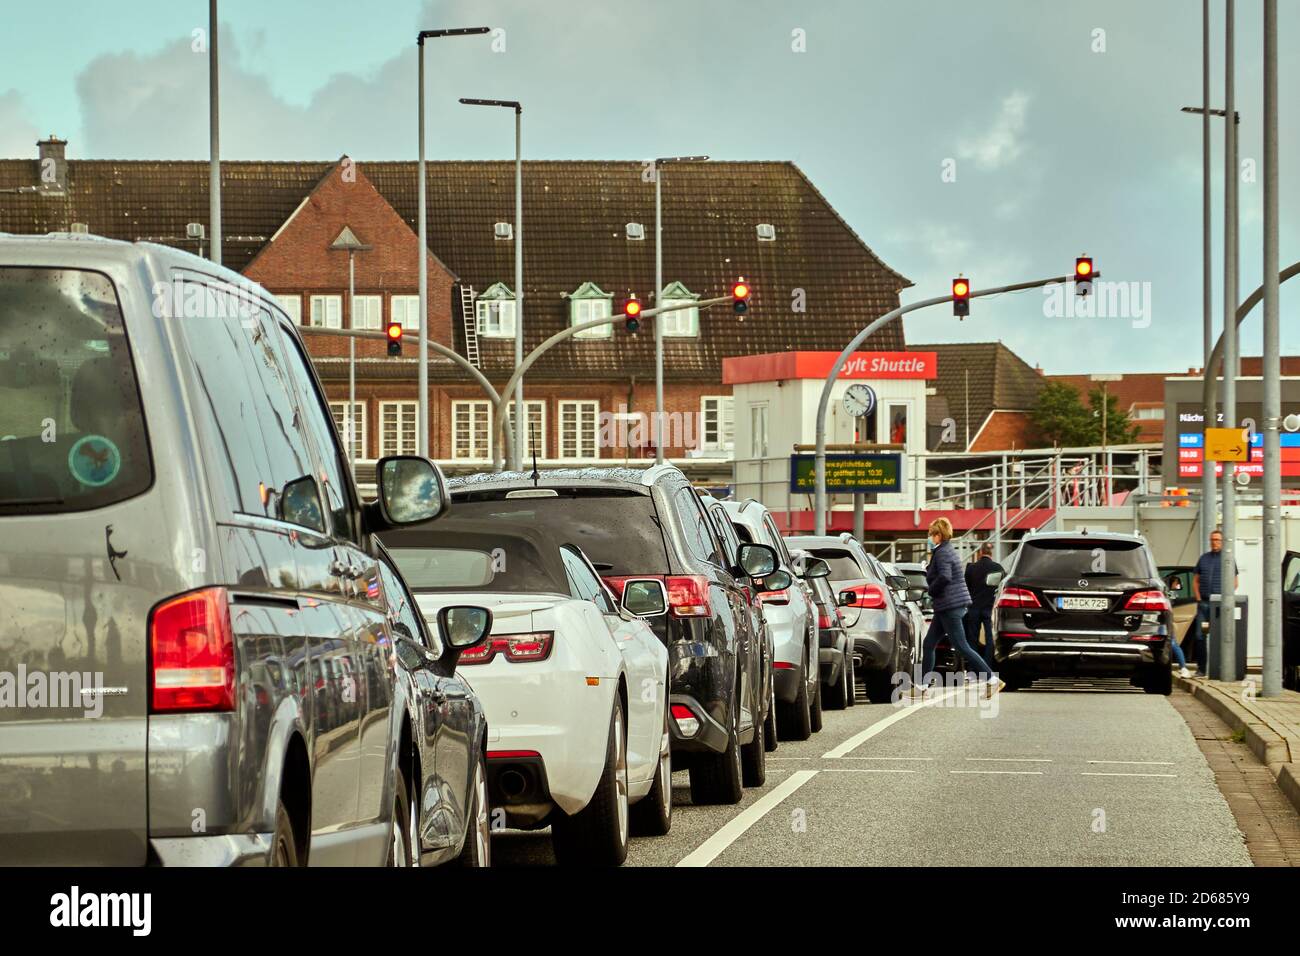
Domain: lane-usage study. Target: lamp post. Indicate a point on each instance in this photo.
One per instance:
(1271, 373)
(349, 243)
(658, 430)
(1104, 378)
(422, 426)
(214, 138)
(521, 411)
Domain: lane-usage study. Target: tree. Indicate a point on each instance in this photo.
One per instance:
(1061, 418)
(1119, 430)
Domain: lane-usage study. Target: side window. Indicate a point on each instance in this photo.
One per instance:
(695, 527)
(585, 585)
(245, 412)
(319, 423)
(776, 541)
(403, 615)
(727, 532)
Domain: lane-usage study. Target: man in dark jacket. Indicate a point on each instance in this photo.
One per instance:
(947, 586)
(981, 596)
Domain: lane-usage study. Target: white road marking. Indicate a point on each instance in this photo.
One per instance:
(886, 758)
(770, 759)
(1014, 773)
(1139, 763)
(1087, 773)
(1012, 759)
(863, 736)
(709, 850)
(867, 770)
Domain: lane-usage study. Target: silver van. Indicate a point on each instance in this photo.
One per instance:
(194, 643)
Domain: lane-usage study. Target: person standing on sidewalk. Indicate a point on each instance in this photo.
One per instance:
(980, 615)
(947, 586)
(1207, 579)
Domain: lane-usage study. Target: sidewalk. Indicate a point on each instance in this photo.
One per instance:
(1270, 725)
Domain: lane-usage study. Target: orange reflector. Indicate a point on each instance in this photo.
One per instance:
(593, 681)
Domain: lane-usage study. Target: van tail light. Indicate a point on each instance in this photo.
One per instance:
(192, 653)
(1148, 601)
(869, 596)
(517, 648)
(1018, 597)
(774, 597)
(688, 594)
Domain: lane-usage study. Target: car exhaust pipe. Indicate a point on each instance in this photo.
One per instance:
(513, 784)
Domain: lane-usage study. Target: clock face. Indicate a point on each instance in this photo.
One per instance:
(859, 400)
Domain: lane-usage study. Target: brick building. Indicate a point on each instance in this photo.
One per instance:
(589, 243)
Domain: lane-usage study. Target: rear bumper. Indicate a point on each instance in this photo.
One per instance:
(517, 784)
(242, 849)
(1091, 656)
(710, 738)
(786, 681)
(872, 651)
(831, 665)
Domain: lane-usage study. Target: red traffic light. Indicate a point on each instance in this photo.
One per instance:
(740, 290)
(961, 288)
(632, 308)
(961, 297)
(1083, 267)
(394, 332)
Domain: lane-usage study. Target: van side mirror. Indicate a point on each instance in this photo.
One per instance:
(644, 597)
(411, 490)
(464, 625)
(778, 580)
(756, 560)
(816, 568)
(898, 582)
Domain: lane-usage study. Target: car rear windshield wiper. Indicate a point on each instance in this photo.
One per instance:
(29, 502)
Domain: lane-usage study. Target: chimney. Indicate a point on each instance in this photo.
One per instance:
(53, 171)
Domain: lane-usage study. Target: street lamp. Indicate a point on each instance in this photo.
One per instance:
(214, 138)
(422, 431)
(521, 413)
(348, 242)
(658, 430)
(1104, 378)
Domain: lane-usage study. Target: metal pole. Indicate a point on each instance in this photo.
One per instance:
(422, 416)
(824, 403)
(1226, 637)
(657, 429)
(1208, 506)
(521, 410)
(1272, 373)
(214, 138)
(349, 418)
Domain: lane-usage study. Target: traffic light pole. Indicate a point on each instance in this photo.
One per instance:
(436, 348)
(824, 404)
(573, 330)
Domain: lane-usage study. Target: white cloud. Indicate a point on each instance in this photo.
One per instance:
(1003, 142)
(17, 135)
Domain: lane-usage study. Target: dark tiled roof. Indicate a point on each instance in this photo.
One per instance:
(998, 379)
(574, 219)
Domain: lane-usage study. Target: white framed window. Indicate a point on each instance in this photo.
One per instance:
(471, 429)
(397, 431)
(368, 312)
(588, 304)
(406, 311)
(356, 428)
(292, 305)
(717, 423)
(579, 429)
(758, 431)
(494, 312)
(536, 425)
(327, 311)
(680, 322)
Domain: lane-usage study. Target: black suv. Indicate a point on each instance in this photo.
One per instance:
(1082, 603)
(638, 523)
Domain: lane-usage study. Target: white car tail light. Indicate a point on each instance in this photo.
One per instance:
(517, 648)
(687, 722)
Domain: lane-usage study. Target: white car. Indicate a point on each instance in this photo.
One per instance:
(572, 681)
(792, 620)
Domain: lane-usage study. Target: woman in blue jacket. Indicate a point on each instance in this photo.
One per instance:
(946, 581)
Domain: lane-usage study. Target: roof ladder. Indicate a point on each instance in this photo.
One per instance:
(471, 325)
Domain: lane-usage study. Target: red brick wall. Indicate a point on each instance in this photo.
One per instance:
(299, 260)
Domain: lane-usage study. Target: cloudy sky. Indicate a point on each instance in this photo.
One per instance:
(996, 139)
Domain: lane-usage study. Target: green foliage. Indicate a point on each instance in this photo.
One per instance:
(1060, 417)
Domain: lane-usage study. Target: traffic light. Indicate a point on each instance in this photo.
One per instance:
(1084, 273)
(394, 338)
(631, 314)
(960, 297)
(740, 296)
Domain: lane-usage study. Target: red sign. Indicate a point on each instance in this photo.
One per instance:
(779, 366)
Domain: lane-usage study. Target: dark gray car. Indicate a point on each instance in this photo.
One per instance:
(194, 639)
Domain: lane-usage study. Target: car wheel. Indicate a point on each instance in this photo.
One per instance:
(477, 850)
(853, 680)
(837, 697)
(815, 705)
(794, 720)
(1160, 680)
(753, 757)
(719, 778)
(878, 686)
(284, 849)
(597, 834)
(653, 815)
(399, 834)
(769, 721)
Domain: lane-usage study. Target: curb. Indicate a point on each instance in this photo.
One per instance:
(1271, 747)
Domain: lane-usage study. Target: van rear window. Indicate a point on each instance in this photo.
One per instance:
(72, 433)
(1081, 557)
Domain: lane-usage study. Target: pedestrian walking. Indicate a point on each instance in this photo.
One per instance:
(980, 615)
(946, 583)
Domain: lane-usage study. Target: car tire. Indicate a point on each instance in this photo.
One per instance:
(719, 778)
(878, 686)
(597, 835)
(653, 814)
(753, 757)
(477, 849)
(399, 833)
(769, 722)
(284, 848)
(1160, 680)
(838, 696)
(853, 680)
(815, 707)
(794, 720)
